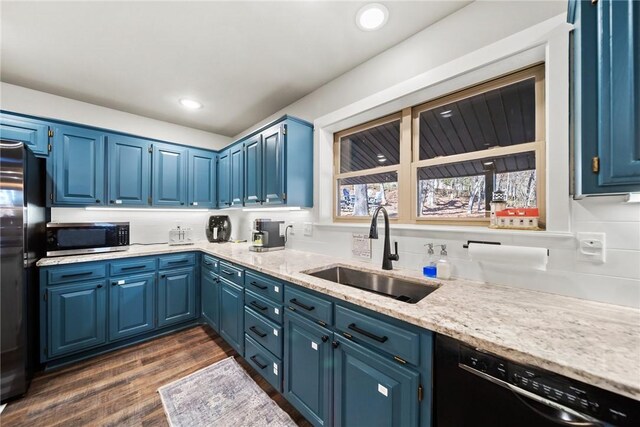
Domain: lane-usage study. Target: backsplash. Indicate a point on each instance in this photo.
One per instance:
(617, 281)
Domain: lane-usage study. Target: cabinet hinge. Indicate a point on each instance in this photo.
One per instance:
(594, 2)
(49, 147)
(50, 133)
(45, 296)
(150, 149)
(420, 393)
(149, 200)
(284, 129)
(284, 196)
(595, 164)
(51, 196)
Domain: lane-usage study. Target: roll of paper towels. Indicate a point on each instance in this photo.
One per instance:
(520, 256)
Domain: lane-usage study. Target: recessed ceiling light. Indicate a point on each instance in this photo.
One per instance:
(382, 160)
(372, 16)
(190, 104)
(446, 114)
(380, 156)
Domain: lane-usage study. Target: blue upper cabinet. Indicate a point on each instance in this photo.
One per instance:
(224, 180)
(129, 170)
(236, 162)
(78, 166)
(606, 96)
(33, 133)
(273, 165)
(253, 193)
(202, 178)
(169, 175)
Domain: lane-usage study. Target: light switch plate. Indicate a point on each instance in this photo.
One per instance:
(592, 247)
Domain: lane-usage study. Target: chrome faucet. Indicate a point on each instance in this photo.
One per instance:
(387, 257)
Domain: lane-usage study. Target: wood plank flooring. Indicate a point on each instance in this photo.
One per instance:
(119, 388)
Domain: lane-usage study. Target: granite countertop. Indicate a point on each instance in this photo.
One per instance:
(588, 341)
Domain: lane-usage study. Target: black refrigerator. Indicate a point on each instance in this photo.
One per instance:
(23, 218)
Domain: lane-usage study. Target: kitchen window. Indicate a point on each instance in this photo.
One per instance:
(441, 161)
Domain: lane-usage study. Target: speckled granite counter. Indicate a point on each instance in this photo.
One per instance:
(588, 341)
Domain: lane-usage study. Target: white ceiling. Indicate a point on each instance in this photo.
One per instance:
(242, 60)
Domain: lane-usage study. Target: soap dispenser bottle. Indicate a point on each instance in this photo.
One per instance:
(429, 268)
(443, 265)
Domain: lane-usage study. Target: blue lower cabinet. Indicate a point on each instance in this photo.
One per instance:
(308, 368)
(176, 296)
(232, 315)
(263, 362)
(131, 303)
(370, 390)
(210, 297)
(263, 331)
(76, 317)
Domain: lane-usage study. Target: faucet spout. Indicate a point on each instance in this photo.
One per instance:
(387, 256)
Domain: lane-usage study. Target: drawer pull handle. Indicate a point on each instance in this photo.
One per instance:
(353, 327)
(258, 306)
(255, 360)
(135, 267)
(86, 273)
(227, 272)
(263, 287)
(299, 304)
(258, 332)
(178, 261)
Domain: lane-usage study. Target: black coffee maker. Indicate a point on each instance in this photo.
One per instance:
(219, 229)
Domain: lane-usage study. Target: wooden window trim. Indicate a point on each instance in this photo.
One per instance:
(407, 169)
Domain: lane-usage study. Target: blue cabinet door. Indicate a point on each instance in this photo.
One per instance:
(131, 301)
(33, 133)
(232, 315)
(253, 171)
(605, 95)
(308, 368)
(210, 297)
(78, 176)
(370, 390)
(224, 180)
(76, 317)
(619, 92)
(273, 165)
(169, 175)
(202, 178)
(129, 167)
(236, 155)
(176, 296)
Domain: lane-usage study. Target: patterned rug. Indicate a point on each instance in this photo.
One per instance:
(222, 394)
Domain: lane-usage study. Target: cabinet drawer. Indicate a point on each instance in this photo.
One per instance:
(379, 334)
(264, 362)
(232, 273)
(264, 286)
(309, 305)
(263, 331)
(76, 272)
(263, 306)
(131, 266)
(176, 261)
(210, 263)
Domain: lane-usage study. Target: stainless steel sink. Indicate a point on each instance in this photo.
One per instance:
(392, 287)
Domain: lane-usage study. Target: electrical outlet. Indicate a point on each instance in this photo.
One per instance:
(292, 230)
(308, 229)
(592, 247)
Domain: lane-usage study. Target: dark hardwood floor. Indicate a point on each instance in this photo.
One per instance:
(120, 388)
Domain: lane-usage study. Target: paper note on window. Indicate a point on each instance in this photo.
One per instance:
(361, 245)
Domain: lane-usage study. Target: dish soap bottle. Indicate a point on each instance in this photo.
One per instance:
(429, 268)
(443, 265)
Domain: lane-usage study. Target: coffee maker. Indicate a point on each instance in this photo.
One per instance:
(267, 235)
(218, 229)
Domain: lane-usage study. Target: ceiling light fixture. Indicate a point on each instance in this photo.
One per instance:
(381, 156)
(372, 16)
(190, 104)
(382, 160)
(446, 114)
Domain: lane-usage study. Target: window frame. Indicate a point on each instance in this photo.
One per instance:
(407, 168)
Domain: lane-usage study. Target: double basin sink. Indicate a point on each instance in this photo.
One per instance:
(393, 287)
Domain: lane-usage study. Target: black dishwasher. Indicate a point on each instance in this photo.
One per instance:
(473, 388)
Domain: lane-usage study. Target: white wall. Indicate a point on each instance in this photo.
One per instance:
(19, 99)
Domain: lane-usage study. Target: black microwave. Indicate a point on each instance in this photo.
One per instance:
(73, 238)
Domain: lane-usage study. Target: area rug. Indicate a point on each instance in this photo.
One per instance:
(222, 394)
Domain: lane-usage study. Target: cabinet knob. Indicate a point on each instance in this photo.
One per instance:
(97, 200)
(335, 344)
(111, 201)
(162, 276)
(181, 203)
(325, 338)
(99, 286)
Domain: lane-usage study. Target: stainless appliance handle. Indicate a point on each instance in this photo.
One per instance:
(570, 417)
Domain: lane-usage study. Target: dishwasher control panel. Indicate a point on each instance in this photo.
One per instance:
(552, 388)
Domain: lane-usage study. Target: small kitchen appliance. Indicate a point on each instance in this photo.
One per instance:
(74, 238)
(219, 229)
(267, 235)
(180, 236)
